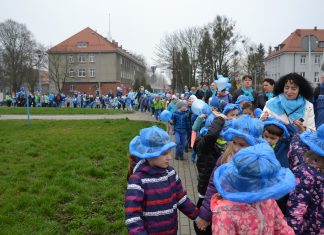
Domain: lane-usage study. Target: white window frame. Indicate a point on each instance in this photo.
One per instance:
(81, 73)
(302, 74)
(91, 58)
(71, 59)
(82, 58)
(321, 44)
(71, 87)
(82, 44)
(317, 59)
(71, 73)
(92, 73)
(316, 77)
(303, 59)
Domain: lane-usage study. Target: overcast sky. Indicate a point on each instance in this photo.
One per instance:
(140, 24)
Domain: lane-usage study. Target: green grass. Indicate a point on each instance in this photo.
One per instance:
(64, 177)
(57, 111)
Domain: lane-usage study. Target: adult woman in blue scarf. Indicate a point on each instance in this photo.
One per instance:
(246, 90)
(268, 86)
(290, 104)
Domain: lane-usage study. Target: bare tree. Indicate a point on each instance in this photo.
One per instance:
(19, 48)
(58, 69)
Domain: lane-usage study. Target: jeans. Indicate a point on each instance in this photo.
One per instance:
(181, 141)
(157, 113)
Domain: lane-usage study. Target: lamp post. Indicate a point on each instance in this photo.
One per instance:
(99, 43)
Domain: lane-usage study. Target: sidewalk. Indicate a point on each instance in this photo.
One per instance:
(187, 172)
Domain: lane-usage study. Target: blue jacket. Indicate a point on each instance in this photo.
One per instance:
(281, 151)
(181, 122)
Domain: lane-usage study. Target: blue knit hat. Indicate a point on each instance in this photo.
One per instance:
(314, 140)
(230, 107)
(251, 129)
(152, 142)
(254, 174)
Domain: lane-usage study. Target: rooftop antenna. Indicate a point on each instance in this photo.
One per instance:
(109, 33)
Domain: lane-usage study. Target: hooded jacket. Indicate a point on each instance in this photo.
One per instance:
(181, 121)
(152, 198)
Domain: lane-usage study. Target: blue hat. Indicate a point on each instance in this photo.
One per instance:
(314, 140)
(203, 131)
(278, 123)
(251, 129)
(258, 112)
(152, 142)
(243, 98)
(210, 118)
(254, 174)
(214, 102)
(199, 107)
(230, 107)
(221, 82)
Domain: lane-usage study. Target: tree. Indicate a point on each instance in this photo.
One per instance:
(205, 57)
(224, 41)
(58, 69)
(256, 63)
(19, 52)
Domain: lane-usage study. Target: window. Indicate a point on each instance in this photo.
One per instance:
(72, 87)
(82, 44)
(71, 73)
(71, 59)
(302, 74)
(82, 59)
(92, 73)
(317, 59)
(91, 58)
(321, 44)
(82, 73)
(316, 77)
(303, 59)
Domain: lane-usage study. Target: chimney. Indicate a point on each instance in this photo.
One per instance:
(315, 28)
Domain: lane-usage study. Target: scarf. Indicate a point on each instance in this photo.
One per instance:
(248, 93)
(214, 92)
(294, 109)
(203, 90)
(269, 95)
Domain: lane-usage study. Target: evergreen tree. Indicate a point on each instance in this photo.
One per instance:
(205, 56)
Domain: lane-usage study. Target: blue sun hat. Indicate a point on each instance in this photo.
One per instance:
(221, 82)
(243, 98)
(278, 123)
(152, 142)
(199, 107)
(254, 174)
(251, 129)
(257, 112)
(230, 107)
(314, 140)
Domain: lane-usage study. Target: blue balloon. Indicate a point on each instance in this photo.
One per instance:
(165, 116)
(199, 107)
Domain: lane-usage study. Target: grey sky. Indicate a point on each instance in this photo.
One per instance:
(140, 24)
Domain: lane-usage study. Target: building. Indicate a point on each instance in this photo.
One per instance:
(88, 62)
(290, 56)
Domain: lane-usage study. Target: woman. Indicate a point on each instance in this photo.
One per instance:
(268, 85)
(246, 90)
(290, 104)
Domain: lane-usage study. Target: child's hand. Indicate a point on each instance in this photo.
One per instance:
(202, 116)
(264, 116)
(201, 223)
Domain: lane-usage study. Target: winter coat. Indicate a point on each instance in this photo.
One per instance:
(158, 104)
(258, 218)
(305, 207)
(261, 101)
(181, 122)
(208, 153)
(172, 107)
(319, 105)
(281, 151)
(152, 198)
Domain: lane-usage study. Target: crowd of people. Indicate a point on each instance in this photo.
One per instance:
(260, 160)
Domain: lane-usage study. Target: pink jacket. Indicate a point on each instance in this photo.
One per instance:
(232, 218)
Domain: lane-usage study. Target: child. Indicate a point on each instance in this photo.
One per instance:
(158, 106)
(243, 132)
(154, 190)
(248, 108)
(180, 121)
(305, 204)
(231, 111)
(247, 187)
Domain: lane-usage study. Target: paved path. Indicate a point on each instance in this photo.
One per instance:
(186, 170)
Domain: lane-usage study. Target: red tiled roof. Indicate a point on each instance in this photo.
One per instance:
(293, 42)
(95, 41)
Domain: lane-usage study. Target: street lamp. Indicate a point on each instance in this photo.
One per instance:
(99, 43)
(39, 54)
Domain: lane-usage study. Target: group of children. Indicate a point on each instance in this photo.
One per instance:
(256, 175)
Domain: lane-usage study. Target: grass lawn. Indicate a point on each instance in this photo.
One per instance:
(64, 177)
(33, 111)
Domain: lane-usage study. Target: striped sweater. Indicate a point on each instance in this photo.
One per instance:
(152, 198)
